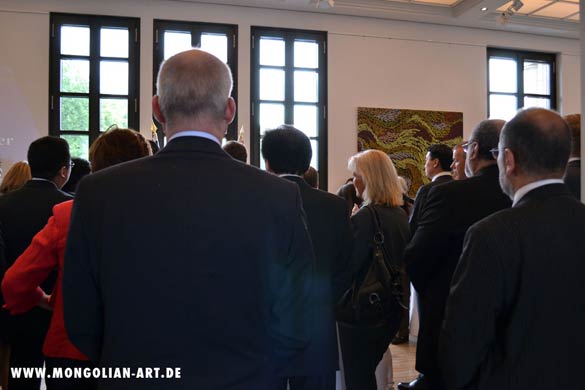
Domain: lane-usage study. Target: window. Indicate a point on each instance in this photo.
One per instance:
(519, 79)
(172, 37)
(289, 85)
(94, 74)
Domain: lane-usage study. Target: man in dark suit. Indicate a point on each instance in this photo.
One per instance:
(435, 248)
(23, 213)
(573, 173)
(519, 269)
(438, 169)
(287, 153)
(227, 312)
(458, 165)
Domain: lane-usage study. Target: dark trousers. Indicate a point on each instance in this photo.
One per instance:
(403, 330)
(315, 382)
(362, 349)
(73, 383)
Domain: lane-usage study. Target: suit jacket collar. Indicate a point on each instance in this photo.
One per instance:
(297, 179)
(192, 144)
(443, 179)
(40, 184)
(544, 192)
(490, 170)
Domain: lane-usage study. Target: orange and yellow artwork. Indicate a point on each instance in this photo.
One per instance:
(405, 136)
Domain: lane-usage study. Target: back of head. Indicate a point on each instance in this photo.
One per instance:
(442, 153)
(540, 140)
(80, 168)
(46, 156)
(378, 173)
(287, 150)
(574, 122)
(237, 150)
(116, 146)
(191, 85)
(487, 134)
(16, 177)
(311, 176)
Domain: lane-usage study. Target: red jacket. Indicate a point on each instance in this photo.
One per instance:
(21, 282)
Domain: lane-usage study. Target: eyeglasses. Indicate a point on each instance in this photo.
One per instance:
(71, 164)
(467, 144)
(495, 153)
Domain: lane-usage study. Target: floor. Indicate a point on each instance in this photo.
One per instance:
(403, 358)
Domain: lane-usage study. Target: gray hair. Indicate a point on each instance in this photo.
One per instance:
(193, 83)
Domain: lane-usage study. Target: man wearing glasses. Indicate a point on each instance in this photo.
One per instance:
(520, 269)
(436, 245)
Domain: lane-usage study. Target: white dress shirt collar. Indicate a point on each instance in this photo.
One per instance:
(444, 173)
(532, 186)
(194, 133)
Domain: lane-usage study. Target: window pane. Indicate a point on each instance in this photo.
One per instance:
(176, 42)
(306, 54)
(78, 145)
(114, 77)
(271, 116)
(306, 86)
(215, 44)
(502, 106)
(536, 102)
(536, 78)
(74, 113)
(75, 76)
(272, 51)
(315, 157)
(271, 84)
(113, 112)
(503, 75)
(306, 119)
(114, 42)
(75, 40)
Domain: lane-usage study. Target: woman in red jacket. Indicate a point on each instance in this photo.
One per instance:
(21, 282)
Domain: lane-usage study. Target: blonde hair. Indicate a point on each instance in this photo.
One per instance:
(16, 177)
(381, 183)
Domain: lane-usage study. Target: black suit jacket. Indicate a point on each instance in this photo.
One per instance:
(520, 269)
(573, 178)
(434, 250)
(328, 223)
(230, 310)
(421, 199)
(23, 213)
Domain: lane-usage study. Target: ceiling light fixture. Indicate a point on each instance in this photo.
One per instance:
(484, 9)
(325, 3)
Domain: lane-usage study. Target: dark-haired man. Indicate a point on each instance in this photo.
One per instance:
(237, 150)
(519, 269)
(573, 173)
(287, 153)
(435, 248)
(23, 213)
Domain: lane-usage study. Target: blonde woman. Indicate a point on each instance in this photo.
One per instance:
(377, 183)
(16, 177)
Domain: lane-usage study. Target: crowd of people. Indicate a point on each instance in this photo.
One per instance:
(235, 282)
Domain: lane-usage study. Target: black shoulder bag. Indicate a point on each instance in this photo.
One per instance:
(377, 299)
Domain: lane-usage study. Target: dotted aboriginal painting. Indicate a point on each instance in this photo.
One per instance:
(405, 136)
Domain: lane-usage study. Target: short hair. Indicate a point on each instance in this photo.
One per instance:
(16, 177)
(192, 84)
(443, 153)
(574, 122)
(287, 150)
(47, 155)
(311, 176)
(487, 135)
(116, 146)
(540, 140)
(237, 150)
(378, 173)
(79, 170)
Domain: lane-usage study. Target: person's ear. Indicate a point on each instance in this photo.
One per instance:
(510, 166)
(63, 171)
(230, 110)
(267, 165)
(158, 115)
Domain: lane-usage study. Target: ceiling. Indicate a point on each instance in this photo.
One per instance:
(558, 18)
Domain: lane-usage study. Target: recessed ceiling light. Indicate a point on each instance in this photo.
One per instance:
(484, 9)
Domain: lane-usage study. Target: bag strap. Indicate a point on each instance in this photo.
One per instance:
(380, 241)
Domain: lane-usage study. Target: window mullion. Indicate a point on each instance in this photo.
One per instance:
(94, 81)
(289, 81)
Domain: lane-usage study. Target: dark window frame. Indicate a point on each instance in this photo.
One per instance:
(95, 22)
(289, 36)
(521, 56)
(196, 29)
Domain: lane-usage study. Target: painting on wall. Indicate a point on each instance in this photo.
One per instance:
(405, 136)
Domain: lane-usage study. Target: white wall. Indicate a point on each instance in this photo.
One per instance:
(372, 62)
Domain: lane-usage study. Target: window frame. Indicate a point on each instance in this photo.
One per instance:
(95, 23)
(520, 56)
(196, 29)
(289, 36)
